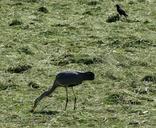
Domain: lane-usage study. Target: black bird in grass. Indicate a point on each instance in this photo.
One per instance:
(121, 11)
(66, 79)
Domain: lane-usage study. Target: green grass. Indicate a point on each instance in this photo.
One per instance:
(35, 44)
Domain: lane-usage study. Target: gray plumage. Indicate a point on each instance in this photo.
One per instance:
(66, 79)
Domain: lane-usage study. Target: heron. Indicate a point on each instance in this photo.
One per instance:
(66, 79)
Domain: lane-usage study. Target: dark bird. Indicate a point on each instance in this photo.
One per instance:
(121, 11)
(66, 79)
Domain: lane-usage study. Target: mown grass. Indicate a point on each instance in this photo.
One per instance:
(40, 38)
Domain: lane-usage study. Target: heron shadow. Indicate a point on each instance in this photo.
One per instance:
(46, 112)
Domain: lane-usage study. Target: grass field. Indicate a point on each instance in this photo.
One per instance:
(39, 38)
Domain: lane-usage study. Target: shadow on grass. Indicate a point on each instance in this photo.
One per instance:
(46, 112)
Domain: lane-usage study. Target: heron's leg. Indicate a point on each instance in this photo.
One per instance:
(66, 98)
(74, 98)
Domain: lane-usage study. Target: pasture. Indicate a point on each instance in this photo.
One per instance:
(39, 38)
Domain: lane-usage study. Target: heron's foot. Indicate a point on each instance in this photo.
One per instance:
(74, 107)
(65, 108)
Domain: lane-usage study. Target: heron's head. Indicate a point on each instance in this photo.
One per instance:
(35, 104)
(117, 5)
(90, 75)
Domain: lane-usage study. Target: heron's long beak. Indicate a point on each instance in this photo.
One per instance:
(32, 110)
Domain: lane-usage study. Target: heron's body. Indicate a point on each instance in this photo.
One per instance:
(66, 79)
(69, 78)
